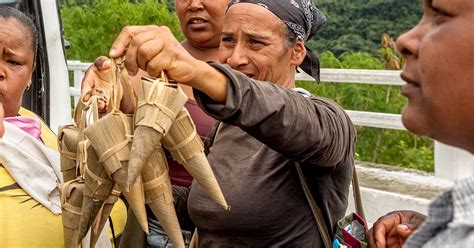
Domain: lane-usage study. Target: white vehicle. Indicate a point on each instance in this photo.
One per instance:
(49, 94)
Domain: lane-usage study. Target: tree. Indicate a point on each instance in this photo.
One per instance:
(357, 25)
(92, 28)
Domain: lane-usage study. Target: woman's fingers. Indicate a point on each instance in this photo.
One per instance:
(123, 40)
(134, 61)
(154, 49)
(87, 83)
(95, 77)
(102, 64)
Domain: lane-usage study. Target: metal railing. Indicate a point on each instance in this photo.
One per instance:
(360, 118)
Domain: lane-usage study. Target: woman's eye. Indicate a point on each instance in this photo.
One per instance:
(438, 12)
(439, 15)
(256, 42)
(13, 62)
(226, 39)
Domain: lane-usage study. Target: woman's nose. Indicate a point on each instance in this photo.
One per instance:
(195, 5)
(238, 57)
(408, 43)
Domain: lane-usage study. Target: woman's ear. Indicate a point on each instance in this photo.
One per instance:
(299, 53)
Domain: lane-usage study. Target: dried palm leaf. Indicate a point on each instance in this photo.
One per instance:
(159, 195)
(158, 104)
(68, 138)
(71, 204)
(185, 146)
(98, 187)
(103, 216)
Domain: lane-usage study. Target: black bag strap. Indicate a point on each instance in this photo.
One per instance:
(357, 198)
(318, 216)
(211, 136)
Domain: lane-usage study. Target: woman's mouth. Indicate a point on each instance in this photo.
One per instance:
(197, 22)
(411, 86)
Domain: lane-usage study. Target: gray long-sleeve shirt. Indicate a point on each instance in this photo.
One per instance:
(267, 128)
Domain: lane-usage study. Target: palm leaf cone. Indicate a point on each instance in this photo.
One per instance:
(159, 195)
(98, 187)
(68, 137)
(158, 104)
(71, 204)
(136, 200)
(185, 146)
(111, 138)
(103, 216)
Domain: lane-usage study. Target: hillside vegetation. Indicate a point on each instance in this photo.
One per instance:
(357, 25)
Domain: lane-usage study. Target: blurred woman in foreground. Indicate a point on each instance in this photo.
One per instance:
(29, 162)
(440, 89)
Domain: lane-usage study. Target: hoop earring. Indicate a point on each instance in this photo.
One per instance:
(28, 86)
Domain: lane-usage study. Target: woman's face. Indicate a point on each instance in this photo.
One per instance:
(440, 73)
(253, 43)
(16, 63)
(201, 21)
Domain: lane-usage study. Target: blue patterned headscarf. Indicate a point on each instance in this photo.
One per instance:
(303, 18)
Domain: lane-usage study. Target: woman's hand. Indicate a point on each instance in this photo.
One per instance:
(394, 228)
(154, 49)
(96, 79)
(2, 113)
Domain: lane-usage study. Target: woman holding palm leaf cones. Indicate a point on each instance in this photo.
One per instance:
(267, 127)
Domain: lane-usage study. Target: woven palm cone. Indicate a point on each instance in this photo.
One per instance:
(71, 203)
(68, 138)
(111, 138)
(158, 104)
(103, 216)
(159, 195)
(98, 187)
(186, 147)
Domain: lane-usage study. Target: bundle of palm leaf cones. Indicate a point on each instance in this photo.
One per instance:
(123, 153)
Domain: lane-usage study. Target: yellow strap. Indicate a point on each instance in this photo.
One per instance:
(100, 180)
(162, 107)
(114, 149)
(68, 154)
(155, 182)
(65, 190)
(72, 209)
(183, 142)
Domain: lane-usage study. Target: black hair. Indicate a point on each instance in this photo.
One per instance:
(9, 12)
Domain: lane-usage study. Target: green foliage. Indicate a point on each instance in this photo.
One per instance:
(92, 26)
(357, 25)
(374, 145)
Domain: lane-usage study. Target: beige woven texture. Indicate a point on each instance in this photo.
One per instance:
(73, 157)
(186, 148)
(159, 195)
(158, 105)
(103, 216)
(123, 153)
(111, 137)
(71, 204)
(68, 138)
